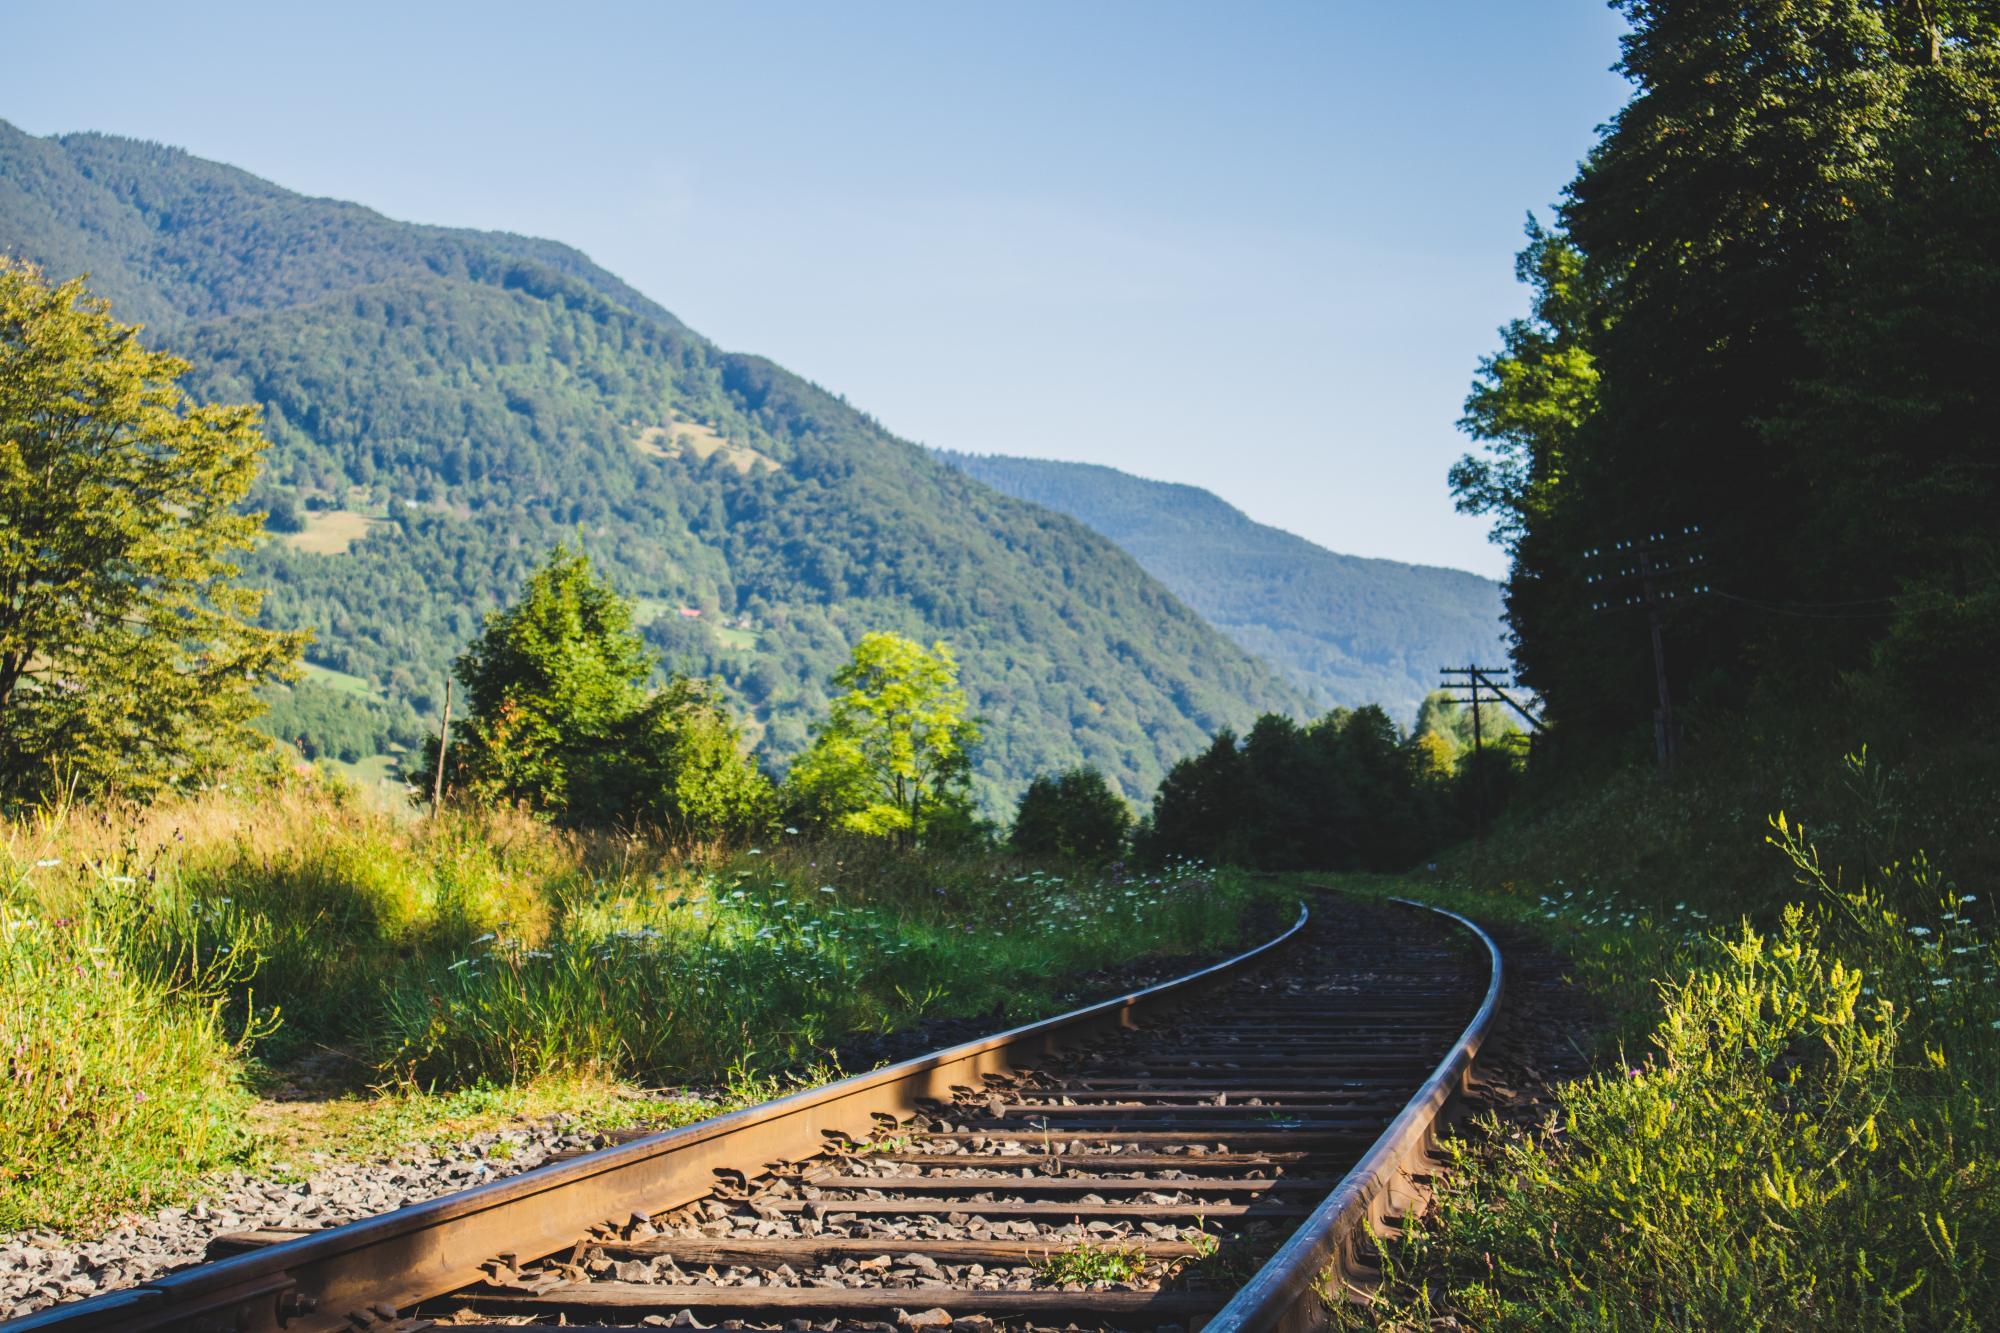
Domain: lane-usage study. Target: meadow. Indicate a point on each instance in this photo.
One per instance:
(160, 965)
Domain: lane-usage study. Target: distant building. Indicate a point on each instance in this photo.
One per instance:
(690, 611)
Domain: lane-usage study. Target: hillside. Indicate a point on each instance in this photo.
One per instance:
(1347, 629)
(446, 404)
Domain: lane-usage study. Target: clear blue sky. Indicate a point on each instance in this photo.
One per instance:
(1256, 247)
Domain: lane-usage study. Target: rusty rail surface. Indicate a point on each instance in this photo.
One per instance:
(1285, 1294)
(1240, 1095)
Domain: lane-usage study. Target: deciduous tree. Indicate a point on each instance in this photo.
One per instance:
(127, 648)
(896, 748)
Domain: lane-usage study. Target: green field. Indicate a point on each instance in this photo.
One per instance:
(339, 680)
(744, 639)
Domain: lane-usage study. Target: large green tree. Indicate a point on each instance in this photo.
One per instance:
(561, 718)
(1765, 311)
(895, 752)
(127, 652)
(1073, 815)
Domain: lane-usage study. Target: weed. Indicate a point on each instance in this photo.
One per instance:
(1092, 1261)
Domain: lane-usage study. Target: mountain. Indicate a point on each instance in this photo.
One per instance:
(1347, 629)
(445, 405)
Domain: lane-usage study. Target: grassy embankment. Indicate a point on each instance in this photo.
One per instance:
(157, 966)
(1799, 1130)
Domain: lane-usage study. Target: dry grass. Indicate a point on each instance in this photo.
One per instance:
(682, 438)
(332, 531)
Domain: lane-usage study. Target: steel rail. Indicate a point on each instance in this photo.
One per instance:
(363, 1273)
(1285, 1295)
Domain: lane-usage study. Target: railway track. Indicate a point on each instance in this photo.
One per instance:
(1196, 1154)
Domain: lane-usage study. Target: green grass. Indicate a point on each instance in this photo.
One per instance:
(741, 639)
(1800, 1131)
(339, 680)
(372, 773)
(153, 963)
(120, 1074)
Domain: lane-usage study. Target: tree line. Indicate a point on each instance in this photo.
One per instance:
(130, 662)
(1763, 328)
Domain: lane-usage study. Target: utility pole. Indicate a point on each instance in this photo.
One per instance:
(1654, 564)
(444, 739)
(1472, 679)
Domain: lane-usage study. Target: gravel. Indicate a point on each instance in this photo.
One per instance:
(39, 1269)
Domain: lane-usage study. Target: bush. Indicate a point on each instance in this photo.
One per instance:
(1074, 815)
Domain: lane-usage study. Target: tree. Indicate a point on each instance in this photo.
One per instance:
(549, 680)
(1074, 815)
(127, 652)
(561, 720)
(1199, 807)
(676, 765)
(896, 748)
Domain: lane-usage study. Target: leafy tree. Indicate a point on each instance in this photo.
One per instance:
(677, 766)
(548, 681)
(560, 719)
(1766, 310)
(896, 747)
(127, 655)
(1074, 815)
(1347, 791)
(1198, 812)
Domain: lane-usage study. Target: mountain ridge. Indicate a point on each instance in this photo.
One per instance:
(1328, 620)
(445, 404)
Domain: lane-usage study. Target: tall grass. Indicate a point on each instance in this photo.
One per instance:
(682, 977)
(1807, 1140)
(155, 961)
(120, 1071)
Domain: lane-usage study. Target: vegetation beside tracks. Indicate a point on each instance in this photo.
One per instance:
(158, 965)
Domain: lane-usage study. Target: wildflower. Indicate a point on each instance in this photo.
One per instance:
(1968, 898)
(790, 830)
(1920, 930)
(756, 851)
(826, 888)
(51, 861)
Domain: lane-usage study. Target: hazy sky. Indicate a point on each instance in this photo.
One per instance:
(1256, 247)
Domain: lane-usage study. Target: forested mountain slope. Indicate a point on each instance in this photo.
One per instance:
(1350, 630)
(446, 404)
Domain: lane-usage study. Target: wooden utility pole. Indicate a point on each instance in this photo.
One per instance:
(1473, 679)
(444, 740)
(1653, 563)
(1666, 747)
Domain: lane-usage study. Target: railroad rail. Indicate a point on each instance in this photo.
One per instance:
(1200, 1153)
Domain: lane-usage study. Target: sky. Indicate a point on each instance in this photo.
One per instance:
(1257, 247)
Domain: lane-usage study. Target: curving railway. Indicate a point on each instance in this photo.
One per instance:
(1196, 1155)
